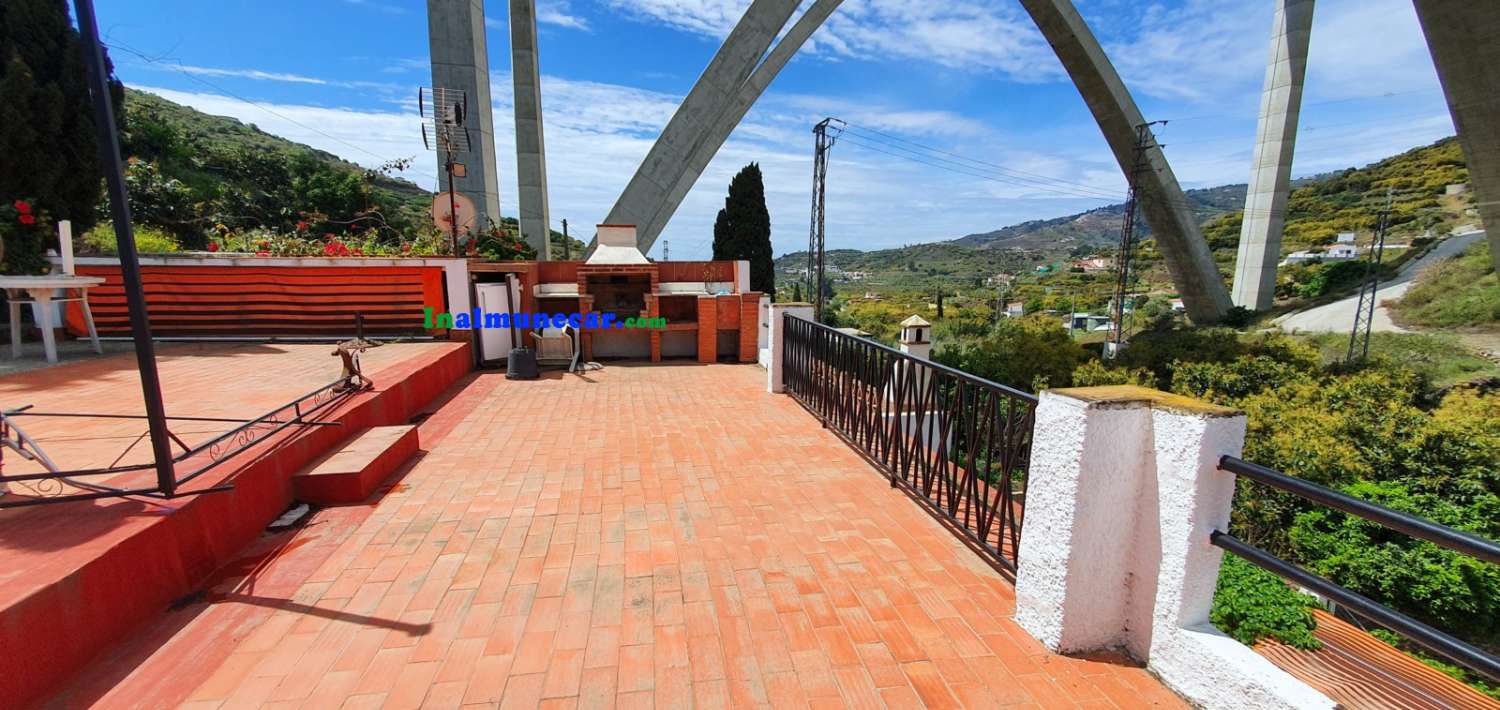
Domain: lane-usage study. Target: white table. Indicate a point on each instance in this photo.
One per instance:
(38, 290)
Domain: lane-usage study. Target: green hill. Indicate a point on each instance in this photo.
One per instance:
(1320, 207)
(192, 174)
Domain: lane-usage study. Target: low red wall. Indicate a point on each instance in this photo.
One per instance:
(151, 555)
(195, 299)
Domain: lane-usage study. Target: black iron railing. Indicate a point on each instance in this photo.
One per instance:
(960, 444)
(1434, 640)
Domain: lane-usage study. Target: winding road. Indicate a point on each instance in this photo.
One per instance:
(1338, 317)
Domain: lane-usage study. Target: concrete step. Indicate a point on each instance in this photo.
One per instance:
(355, 469)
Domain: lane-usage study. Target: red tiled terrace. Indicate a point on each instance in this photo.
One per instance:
(640, 536)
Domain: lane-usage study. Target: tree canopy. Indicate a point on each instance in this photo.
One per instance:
(743, 229)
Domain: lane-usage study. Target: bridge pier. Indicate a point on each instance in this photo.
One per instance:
(1271, 163)
(531, 154)
(460, 60)
(1461, 37)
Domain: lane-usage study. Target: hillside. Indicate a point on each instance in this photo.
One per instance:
(199, 129)
(192, 175)
(1320, 207)
(1098, 227)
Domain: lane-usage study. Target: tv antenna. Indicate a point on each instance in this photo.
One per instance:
(445, 119)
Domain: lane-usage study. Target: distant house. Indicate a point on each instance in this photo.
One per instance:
(999, 280)
(1044, 269)
(1094, 263)
(1346, 237)
(1177, 306)
(1087, 322)
(1337, 252)
(1015, 309)
(855, 275)
(1457, 188)
(1341, 252)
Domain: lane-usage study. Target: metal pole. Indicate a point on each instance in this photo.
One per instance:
(130, 265)
(452, 203)
(567, 242)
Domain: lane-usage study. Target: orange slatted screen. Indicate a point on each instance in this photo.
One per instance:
(266, 300)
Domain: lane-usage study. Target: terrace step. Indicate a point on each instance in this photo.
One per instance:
(353, 471)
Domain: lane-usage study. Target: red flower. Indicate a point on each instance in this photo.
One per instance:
(264, 244)
(27, 219)
(213, 246)
(302, 225)
(21, 206)
(359, 252)
(262, 253)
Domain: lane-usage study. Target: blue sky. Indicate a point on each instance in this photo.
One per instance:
(969, 77)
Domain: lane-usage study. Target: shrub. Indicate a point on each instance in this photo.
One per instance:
(1030, 352)
(1095, 373)
(1251, 604)
(148, 240)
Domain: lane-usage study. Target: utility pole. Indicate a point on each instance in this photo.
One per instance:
(1364, 314)
(666, 250)
(1143, 140)
(822, 142)
(567, 242)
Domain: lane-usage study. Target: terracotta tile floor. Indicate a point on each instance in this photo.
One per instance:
(668, 536)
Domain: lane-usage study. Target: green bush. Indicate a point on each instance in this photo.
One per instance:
(1030, 352)
(1095, 374)
(148, 240)
(1251, 604)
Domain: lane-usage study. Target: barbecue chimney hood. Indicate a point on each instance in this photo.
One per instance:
(616, 246)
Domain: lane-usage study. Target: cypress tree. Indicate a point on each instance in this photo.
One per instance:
(743, 229)
(48, 148)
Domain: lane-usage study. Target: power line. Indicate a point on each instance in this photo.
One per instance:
(1019, 174)
(963, 170)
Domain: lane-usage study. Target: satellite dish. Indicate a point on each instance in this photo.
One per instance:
(441, 209)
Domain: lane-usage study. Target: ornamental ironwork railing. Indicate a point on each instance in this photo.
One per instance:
(55, 485)
(959, 444)
(1434, 640)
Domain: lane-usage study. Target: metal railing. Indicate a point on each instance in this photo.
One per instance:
(960, 444)
(1434, 640)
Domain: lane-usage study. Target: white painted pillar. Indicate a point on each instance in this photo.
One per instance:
(1123, 491)
(774, 380)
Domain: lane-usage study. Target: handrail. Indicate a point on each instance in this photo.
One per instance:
(1439, 642)
(960, 445)
(1426, 636)
(1437, 533)
(925, 363)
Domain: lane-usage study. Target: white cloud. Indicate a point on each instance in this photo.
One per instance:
(248, 74)
(386, 8)
(1364, 47)
(560, 13)
(1201, 51)
(983, 35)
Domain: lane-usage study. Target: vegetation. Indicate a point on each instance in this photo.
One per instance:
(1379, 431)
(1022, 352)
(1440, 360)
(743, 228)
(48, 148)
(1035, 255)
(1463, 293)
(1251, 603)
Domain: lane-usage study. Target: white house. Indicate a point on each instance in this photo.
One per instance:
(1346, 237)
